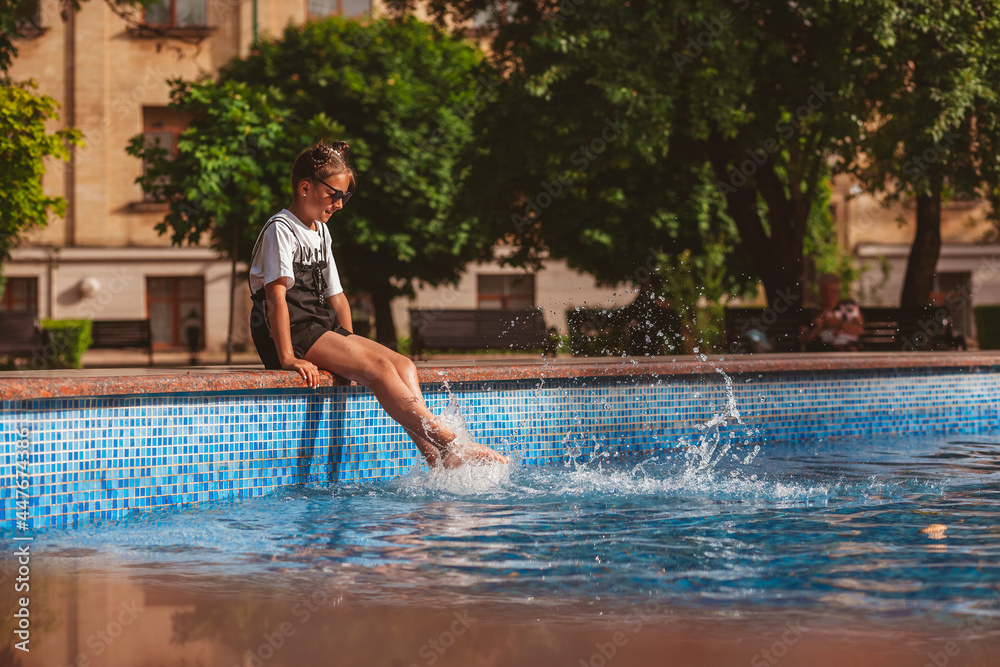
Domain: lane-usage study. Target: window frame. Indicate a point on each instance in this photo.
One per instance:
(178, 341)
(7, 300)
(338, 12)
(173, 25)
(506, 295)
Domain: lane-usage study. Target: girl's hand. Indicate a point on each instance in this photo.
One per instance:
(307, 369)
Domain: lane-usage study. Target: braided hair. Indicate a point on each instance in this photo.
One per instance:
(321, 161)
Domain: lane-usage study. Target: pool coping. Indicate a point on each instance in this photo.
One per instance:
(26, 385)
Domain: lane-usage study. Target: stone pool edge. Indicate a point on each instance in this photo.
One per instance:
(26, 385)
(81, 446)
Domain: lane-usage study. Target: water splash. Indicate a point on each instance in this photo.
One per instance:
(716, 440)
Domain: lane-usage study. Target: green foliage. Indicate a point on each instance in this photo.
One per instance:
(232, 164)
(823, 247)
(934, 85)
(988, 326)
(24, 145)
(749, 97)
(695, 286)
(70, 339)
(402, 93)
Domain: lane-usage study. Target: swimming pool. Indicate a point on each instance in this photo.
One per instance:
(690, 518)
(805, 542)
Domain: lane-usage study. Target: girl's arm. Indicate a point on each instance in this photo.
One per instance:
(281, 333)
(342, 307)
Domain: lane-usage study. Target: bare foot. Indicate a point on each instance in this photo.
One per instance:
(471, 453)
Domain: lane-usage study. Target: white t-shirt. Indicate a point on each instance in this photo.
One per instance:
(284, 243)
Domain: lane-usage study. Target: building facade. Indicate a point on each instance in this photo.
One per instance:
(880, 238)
(105, 260)
(109, 72)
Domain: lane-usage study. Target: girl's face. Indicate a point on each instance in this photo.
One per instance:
(320, 199)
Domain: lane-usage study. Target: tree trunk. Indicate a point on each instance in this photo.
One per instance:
(778, 256)
(922, 263)
(385, 328)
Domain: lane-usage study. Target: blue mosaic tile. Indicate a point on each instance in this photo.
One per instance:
(103, 457)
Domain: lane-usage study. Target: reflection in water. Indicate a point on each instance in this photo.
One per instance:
(544, 566)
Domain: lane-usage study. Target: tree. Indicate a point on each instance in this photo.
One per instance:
(752, 97)
(930, 110)
(24, 146)
(402, 93)
(24, 142)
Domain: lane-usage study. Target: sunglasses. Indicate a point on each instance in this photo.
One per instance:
(337, 195)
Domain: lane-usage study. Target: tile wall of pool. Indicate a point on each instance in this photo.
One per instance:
(77, 459)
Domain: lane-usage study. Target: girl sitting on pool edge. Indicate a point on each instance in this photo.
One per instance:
(301, 319)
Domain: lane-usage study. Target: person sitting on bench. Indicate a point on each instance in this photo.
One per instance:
(838, 325)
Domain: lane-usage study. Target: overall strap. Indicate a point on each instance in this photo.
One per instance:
(260, 237)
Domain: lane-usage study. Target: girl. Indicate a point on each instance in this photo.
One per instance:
(301, 319)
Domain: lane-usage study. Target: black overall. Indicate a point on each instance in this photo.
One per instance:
(309, 315)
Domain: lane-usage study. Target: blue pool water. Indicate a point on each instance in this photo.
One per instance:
(824, 528)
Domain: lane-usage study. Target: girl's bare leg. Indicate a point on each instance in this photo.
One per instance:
(382, 370)
(408, 374)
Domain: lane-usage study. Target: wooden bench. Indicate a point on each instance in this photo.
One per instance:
(886, 329)
(479, 330)
(21, 335)
(929, 328)
(122, 334)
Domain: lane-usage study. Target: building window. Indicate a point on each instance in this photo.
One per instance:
(28, 17)
(347, 8)
(175, 304)
(506, 291)
(161, 128)
(20, 294)
(177, 13)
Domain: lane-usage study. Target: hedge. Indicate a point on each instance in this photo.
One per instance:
(70, 339)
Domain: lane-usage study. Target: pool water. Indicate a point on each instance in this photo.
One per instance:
(830, 534)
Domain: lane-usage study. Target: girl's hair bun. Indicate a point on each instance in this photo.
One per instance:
(321, 160)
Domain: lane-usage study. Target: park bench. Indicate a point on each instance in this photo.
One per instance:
(886, 329)
(21, 335)
(908, 329)
(122, 334)
(479, 330)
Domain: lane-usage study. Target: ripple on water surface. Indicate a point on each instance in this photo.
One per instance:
(811, 525)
